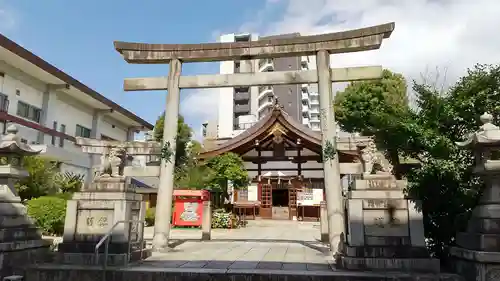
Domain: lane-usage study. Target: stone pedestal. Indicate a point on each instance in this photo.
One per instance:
(20, 241)
(206, 221)
(109, 202)
(478, 248)
(385, 230)
(477, 252)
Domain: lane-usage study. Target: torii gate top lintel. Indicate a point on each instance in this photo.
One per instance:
(363, 39)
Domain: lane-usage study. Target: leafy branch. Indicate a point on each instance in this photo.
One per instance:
(167, 152)
(329, 151)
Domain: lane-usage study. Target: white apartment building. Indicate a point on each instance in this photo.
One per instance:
(51, 108)
(240, 108)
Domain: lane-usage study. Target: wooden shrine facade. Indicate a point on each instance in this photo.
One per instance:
(283, 159)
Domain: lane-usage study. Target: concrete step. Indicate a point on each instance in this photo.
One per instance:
(423, 265)
(53, 272)
(90, 258)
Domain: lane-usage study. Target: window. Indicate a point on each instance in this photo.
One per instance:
(4, 103)
(28, 111)
(18, 92)
(82, 132)
(54, 126)
(62, 130)
(24, 140)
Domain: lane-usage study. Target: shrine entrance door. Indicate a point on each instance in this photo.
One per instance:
(266, 206)
(292, 198)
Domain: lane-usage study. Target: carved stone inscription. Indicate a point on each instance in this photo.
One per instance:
(384, 218)
(387, 223)
(385, 204)
(381, 184)
(94, 222)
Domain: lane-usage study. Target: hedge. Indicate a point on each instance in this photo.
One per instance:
(49, 213)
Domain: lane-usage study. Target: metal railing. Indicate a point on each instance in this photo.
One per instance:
(106, 238)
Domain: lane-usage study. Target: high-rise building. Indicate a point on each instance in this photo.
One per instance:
(240, 108)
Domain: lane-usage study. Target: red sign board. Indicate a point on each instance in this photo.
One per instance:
(188, 207)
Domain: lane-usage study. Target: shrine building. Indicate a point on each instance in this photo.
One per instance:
(283, 159)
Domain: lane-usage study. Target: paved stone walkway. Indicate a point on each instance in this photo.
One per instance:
(275, 245)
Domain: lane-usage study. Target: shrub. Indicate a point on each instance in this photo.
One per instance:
(222, 219)
(49, 213)
(69, 182)
(40, 181)
(150, 216)
(65, 196)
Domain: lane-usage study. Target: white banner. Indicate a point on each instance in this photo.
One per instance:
(253, 191)
(310, 197)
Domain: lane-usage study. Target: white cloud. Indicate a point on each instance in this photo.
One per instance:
(199, 106)
(449, 34)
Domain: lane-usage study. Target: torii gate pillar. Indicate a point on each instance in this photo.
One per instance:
(331, 167)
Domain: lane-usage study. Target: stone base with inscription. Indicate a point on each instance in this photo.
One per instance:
(107, 203)
(385, 231)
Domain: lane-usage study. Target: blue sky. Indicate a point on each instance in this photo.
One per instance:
(77, 36)
(431, 37)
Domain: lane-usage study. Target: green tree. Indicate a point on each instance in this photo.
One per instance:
(184, 136)
(375, 108)
(428, 134)
(193, 173)
(39, 182)
(227, 167)
(198, 176)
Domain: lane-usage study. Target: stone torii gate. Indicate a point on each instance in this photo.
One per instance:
(322, 46)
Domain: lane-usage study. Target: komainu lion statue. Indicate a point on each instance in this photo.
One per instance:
(112, 163)
(374, 160)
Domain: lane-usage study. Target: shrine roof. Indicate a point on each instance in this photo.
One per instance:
(278, 115)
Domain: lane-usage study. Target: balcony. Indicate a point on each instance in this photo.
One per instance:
(305, 108)
(266, 65)
(241, 108)
(241, 96)
(313, 94)
(314, 100)
(305, 96)
(244, 126)
(264, 105)
(264, 91)
(314, 109)
(315, 116)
